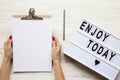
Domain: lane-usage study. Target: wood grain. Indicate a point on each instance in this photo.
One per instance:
(103, 13)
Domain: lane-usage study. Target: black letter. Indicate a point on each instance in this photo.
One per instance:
(88, 28)
(95, 48)
(100, 50)
(83, 25)
(105, 54)
(93, 32)
(112, 55)
(105, 36)
(99, 34)
(89, 43)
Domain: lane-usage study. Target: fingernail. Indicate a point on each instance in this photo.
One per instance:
(10, 37)
(53, 38)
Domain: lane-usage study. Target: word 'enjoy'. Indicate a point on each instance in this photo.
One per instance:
(93, 31)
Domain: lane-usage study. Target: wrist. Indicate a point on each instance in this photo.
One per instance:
(6, 58)
(56, 61)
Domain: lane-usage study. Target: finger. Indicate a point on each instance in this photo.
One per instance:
(53, 38)
(53, 44)
(5, 44)
(10, 37)
(9, 43)
(57, 42)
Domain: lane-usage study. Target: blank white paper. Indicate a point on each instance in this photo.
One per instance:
(32, 45)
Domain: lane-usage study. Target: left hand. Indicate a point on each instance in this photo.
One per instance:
(8, 48)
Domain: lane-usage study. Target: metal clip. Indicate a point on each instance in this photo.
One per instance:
(32, 16)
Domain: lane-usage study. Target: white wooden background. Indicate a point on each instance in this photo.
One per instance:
(103, 13)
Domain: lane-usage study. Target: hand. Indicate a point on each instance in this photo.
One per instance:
(8, 48)
(56, 48)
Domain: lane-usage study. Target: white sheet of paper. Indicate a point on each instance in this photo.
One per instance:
(32, 41)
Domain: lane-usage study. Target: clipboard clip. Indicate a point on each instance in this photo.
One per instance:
(32, 15)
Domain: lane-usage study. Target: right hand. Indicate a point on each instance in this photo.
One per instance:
(56, 49)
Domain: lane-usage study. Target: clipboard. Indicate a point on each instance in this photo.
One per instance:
(32, 41)
(31, 16)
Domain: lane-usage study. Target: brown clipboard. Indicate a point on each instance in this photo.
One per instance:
(32, 16)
